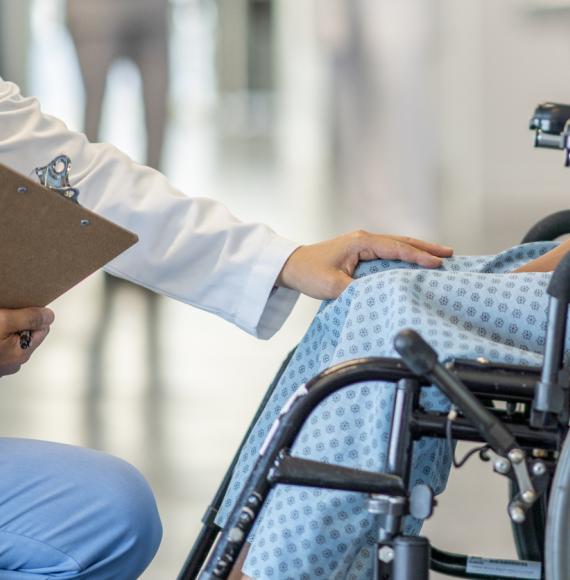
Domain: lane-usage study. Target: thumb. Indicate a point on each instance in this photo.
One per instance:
(15, 320)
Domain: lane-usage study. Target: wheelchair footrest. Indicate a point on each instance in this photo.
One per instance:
(296, 471)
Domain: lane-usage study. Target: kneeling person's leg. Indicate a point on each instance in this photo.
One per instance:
(73, 513)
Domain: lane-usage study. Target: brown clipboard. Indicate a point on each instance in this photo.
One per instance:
(48, 243)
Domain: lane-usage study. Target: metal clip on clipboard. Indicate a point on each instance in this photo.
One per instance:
(55, 175)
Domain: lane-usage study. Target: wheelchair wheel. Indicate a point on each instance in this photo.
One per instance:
(557, 544)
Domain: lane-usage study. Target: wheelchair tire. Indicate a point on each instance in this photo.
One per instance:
(557, 543)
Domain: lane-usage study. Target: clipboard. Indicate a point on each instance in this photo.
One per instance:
(48, 243)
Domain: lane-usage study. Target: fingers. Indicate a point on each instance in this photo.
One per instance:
(12, 321)
(425, 254)
(389, 249)
(414, 255)
(12, 356)
(13, 352)
(430, 247)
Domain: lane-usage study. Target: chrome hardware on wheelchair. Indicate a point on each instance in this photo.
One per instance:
(519, 413)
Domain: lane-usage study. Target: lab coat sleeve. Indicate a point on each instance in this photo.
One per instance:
(191, 249)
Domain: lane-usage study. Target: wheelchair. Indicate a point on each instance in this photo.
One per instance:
(520, 413)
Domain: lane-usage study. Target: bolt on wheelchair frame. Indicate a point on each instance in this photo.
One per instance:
(527, 432)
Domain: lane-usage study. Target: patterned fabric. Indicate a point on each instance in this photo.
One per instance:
(470, 307)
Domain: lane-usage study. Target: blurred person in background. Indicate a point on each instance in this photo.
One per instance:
(80, 514)
(108, 30)
(104, 32)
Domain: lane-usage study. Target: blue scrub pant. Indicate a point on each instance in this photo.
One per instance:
(73, 513)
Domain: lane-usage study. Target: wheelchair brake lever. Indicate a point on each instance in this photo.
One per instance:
(422, 359)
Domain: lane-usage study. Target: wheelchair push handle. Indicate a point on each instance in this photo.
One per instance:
(422, 359)
(418, 355)
(550, 118)
(551, 125)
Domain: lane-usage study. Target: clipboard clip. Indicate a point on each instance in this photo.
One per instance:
(55, 175)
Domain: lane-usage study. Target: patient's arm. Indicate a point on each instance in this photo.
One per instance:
(548, 262)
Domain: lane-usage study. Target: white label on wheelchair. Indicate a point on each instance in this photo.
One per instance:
(505, 568)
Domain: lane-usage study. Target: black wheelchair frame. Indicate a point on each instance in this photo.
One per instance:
(521, 413)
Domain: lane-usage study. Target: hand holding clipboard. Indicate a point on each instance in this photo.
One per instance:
(12, 356)
(48, 243)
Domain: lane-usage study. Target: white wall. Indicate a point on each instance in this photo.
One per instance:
(499, 59)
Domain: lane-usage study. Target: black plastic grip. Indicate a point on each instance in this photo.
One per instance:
(559, 286)
(549, 228)
(418, 355)
(309, 473)
(550, 117)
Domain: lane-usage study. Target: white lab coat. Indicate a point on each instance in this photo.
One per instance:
(191, 249)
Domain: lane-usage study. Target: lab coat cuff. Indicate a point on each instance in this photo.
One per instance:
(264, 315)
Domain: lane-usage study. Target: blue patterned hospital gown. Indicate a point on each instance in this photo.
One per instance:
(470, 307)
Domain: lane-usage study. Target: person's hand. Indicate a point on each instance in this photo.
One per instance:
(325, 269)
(37, 320)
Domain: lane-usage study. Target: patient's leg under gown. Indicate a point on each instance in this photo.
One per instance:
(471, 307)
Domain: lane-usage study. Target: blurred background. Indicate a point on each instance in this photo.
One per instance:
(316, 117)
